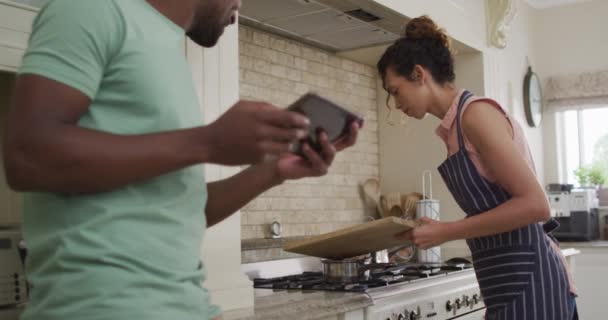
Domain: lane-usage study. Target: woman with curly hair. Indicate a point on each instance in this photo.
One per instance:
(490, 172)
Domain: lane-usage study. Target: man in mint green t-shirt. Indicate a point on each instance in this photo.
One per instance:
(105, 136)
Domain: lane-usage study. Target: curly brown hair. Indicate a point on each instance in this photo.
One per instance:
(424, 44)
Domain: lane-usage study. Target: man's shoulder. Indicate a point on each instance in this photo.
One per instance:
(90, 11)
(96, 19)
(80, 6)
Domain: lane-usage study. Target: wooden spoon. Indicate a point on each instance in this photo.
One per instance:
(384, 208)
(397, 211)
(409, 204)
(371, 189)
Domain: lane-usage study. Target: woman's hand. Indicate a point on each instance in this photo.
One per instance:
(430, 233)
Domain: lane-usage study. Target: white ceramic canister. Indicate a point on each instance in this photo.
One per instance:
(428, 207)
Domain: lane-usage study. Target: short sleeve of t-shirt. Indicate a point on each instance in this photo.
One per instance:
(74, 48)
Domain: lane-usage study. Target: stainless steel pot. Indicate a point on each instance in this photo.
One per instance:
(357, 269)
(348, 270)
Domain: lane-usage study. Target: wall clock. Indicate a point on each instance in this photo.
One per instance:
(533, 98)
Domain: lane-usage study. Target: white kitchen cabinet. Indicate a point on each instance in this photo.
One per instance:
(10, 201)
(15, 27)
(216, 76)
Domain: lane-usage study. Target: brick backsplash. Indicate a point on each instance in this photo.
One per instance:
(278, 71)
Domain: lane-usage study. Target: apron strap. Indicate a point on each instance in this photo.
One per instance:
(463, 98)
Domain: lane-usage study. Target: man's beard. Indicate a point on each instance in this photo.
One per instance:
(205, 36)
(206, 32)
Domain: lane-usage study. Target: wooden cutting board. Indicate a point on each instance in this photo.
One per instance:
(353, 241)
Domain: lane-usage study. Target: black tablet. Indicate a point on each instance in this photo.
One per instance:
(323, 114)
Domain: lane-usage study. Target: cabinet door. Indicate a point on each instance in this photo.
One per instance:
(10, 202)
(16, 17)
(10, 58)
(15, 27)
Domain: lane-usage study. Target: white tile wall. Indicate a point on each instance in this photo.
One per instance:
(278, 71)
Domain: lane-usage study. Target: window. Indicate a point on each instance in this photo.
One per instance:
(585, 140)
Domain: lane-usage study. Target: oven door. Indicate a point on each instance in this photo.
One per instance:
(478, 314)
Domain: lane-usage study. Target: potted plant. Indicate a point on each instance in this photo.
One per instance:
(582, 176)
(597, 177)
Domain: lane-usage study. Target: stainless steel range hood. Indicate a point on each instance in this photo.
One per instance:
(334, 25)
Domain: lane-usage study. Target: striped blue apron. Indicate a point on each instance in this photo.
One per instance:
(520, 276)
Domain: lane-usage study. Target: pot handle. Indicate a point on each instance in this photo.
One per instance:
(365, 267)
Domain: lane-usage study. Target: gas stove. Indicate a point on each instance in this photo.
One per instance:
(409, 291)
(383, 276)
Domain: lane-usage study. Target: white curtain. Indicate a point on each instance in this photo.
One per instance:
(579, 91)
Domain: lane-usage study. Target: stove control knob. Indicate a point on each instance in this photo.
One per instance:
(467, 301)
(416, 315)
(401, 316)
(449, 306)
(475, 299)
(458, 303)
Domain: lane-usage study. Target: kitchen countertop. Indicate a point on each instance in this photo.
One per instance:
(300, 305)
(601, 244)
(570, 252)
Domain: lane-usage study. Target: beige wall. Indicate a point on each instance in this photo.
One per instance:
(278, 71)
(571, 39)
(507, 69)
(567, 40)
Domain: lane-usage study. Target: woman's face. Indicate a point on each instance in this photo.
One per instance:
(409, 95)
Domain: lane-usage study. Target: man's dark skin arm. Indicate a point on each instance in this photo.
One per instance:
(45, 149)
